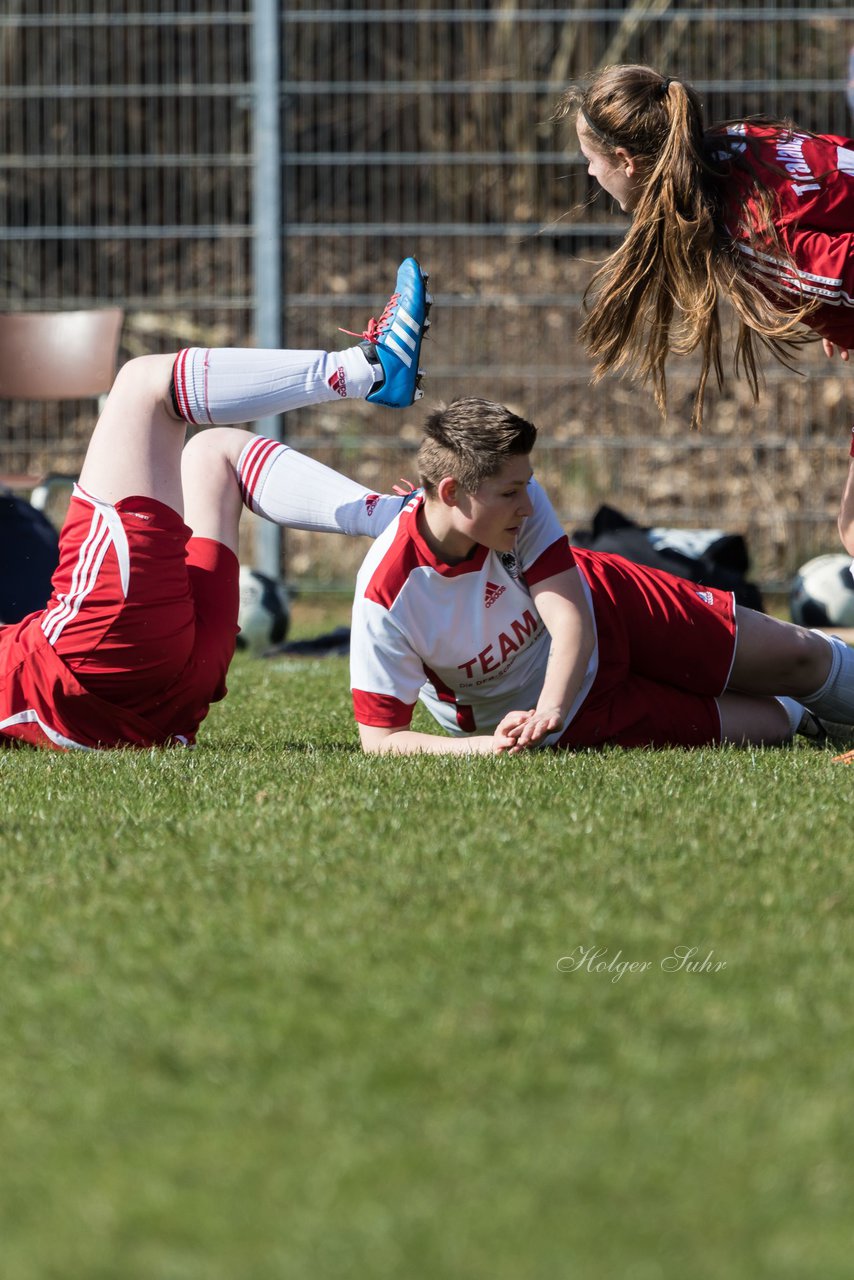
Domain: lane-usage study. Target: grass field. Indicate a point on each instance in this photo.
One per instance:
(273, 1009)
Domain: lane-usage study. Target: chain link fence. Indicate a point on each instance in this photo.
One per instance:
(130, 177)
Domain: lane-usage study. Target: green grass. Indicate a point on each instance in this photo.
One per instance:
(274, 1009)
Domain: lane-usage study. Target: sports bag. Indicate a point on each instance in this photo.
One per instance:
(29, 553)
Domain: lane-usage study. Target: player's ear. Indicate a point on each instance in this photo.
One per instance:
(628, 162)
(446, 491)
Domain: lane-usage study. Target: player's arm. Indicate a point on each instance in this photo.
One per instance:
(830, 255)
(386, 676)
(562, 604)
(407, 742)
(846, 508)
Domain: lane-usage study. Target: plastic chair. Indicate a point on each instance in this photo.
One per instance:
(57, 355)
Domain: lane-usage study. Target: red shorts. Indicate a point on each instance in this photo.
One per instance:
(142, 613)
(666, 648)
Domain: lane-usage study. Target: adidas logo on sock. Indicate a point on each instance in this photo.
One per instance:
(338, 383)
(493, 591)
(371, 500)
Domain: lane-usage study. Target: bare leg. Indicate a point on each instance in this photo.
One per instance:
(753, 721)
(773, 657)
(212, 499)
(136, 446)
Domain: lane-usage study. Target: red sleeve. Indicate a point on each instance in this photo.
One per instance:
(555, 559)
(827, 263)
(381, 710)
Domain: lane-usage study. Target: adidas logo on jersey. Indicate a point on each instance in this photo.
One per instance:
(338, 383)
(493, 591)
(706, 597)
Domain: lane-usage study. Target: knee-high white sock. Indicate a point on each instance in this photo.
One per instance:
(231, 384)
(795, 711)
(300, 493)
(835, 699)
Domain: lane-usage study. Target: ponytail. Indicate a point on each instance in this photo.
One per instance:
(660, 290)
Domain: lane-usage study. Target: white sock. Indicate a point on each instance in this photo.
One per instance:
(835, 699)
(300, 493)
(232, 384)
(795, 711)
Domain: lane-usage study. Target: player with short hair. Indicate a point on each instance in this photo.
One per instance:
(473, 602)
(134, 644)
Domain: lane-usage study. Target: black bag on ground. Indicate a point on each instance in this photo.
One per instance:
(29, 553)
(710, 558)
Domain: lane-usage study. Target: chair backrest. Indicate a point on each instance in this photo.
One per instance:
(58, 355)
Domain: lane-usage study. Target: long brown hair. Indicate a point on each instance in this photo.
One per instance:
(660, 290)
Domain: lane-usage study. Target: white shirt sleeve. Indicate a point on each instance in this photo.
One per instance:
(540, 531)
(386, 673)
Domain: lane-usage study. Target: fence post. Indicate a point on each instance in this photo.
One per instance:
(267, 230)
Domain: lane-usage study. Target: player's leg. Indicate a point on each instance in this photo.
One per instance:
(688, 638)
(747, 721)
(231, 385)
(774, 657)
(778, 657)
(224, 469)
(626, 709)
(671, 630)
(212, 500)
(136, 446)
(221, 470)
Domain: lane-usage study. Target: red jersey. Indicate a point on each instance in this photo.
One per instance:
(812, 181)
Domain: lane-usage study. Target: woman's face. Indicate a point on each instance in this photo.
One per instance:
(618, 174)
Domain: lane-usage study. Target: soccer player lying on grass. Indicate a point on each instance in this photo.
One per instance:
(134, 644)
(473, 601)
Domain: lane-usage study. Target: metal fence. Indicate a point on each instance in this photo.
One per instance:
(133, 174)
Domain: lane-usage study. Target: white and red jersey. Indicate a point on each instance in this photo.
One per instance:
(812, 181)
(464, 638)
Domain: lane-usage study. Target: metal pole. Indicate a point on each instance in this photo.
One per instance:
(267, 231)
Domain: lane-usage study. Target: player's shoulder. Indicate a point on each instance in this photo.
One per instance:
(749, 141)
(391, 560)
(539, 497)
(542, 508)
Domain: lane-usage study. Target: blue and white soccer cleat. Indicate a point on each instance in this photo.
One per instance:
(394, 341)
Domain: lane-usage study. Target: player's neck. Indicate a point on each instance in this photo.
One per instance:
(437, 528)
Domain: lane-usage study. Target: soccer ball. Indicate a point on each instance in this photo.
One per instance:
(264, 614)
(823, 593)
